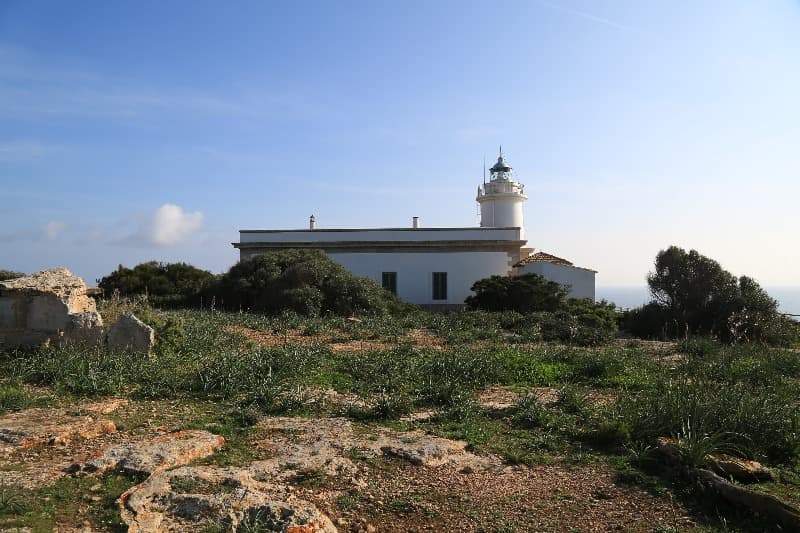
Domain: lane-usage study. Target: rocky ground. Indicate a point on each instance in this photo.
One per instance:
(300, 474)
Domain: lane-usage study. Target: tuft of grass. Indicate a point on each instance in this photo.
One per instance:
(531, 413)
(311, 477)
(11, 502)
(13, 397)
(573, 400)
(694, 445)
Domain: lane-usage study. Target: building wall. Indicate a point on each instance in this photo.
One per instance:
(415, 271)
(372, 235)
(578, 281)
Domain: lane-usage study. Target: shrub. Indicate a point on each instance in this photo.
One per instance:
(307, 282)
(525, 294)
(173, 284)
(649, 321)
(530, 413)
(537, 309)
(9, 274)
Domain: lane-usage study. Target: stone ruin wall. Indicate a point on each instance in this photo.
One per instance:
(50, 306)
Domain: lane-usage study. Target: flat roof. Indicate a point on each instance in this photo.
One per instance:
(372, 229)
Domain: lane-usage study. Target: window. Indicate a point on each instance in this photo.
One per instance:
(440, 285)
(389, 281)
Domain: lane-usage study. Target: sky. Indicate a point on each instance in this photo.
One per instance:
(150, 130)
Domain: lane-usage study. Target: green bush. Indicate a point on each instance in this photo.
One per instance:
(649, 321)
(9, 274)
(306, 282)
(537, 309)
(525, 294)
(168, 284)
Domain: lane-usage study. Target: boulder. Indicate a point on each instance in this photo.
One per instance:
(85, 328)
(129, 334)
(48, 306)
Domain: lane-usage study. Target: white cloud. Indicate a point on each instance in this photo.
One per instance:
(53, 229)
(170, 224)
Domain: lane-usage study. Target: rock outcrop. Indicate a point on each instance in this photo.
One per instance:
(129, 334)
(48, 306)
(262, 495)
(37, 444)
(189, 498)
(157, 454)
(53, 427)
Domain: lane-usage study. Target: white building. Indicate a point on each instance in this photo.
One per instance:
(577, 280)
(435, 266)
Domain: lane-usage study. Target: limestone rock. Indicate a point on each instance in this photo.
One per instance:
(428, 453)
(328, 444)
(47, 306)
(160, 453)
(54, 427)
(86, 328)
(189, 498)
(742, 470)
(129, 334)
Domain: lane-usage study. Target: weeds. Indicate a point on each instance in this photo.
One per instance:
(11, 501)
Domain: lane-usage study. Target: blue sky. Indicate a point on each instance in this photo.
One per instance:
(132, 131)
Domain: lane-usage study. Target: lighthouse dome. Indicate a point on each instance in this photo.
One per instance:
(501, 165)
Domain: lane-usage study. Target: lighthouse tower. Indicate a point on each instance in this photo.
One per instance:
(501, 198)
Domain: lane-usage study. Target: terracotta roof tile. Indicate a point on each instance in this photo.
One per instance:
(545, 257)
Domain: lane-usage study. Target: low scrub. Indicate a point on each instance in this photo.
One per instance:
(747, 402)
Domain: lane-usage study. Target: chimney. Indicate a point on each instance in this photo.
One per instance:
(415, 223)
(312, 222)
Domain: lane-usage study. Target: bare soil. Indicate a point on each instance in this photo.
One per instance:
(419, 338)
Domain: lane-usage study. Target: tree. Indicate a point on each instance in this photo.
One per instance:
(525, 294)
(695, 289)
(307, 282)
(693, 294)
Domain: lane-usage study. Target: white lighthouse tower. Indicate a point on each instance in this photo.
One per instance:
(501, 198)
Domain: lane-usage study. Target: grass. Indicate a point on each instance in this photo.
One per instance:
(68, 501)
(741, 399)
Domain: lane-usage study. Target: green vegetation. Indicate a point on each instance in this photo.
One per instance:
(694, 295)
(538, 309)
(524, 294)
(66, 502)
(306, 282)
(175, 284)
(9, 274)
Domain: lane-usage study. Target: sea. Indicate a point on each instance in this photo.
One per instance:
(629, 297)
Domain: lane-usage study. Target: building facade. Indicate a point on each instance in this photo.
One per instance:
(578, 281)
(431, 266)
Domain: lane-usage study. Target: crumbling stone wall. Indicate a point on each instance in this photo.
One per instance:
(49, 306)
